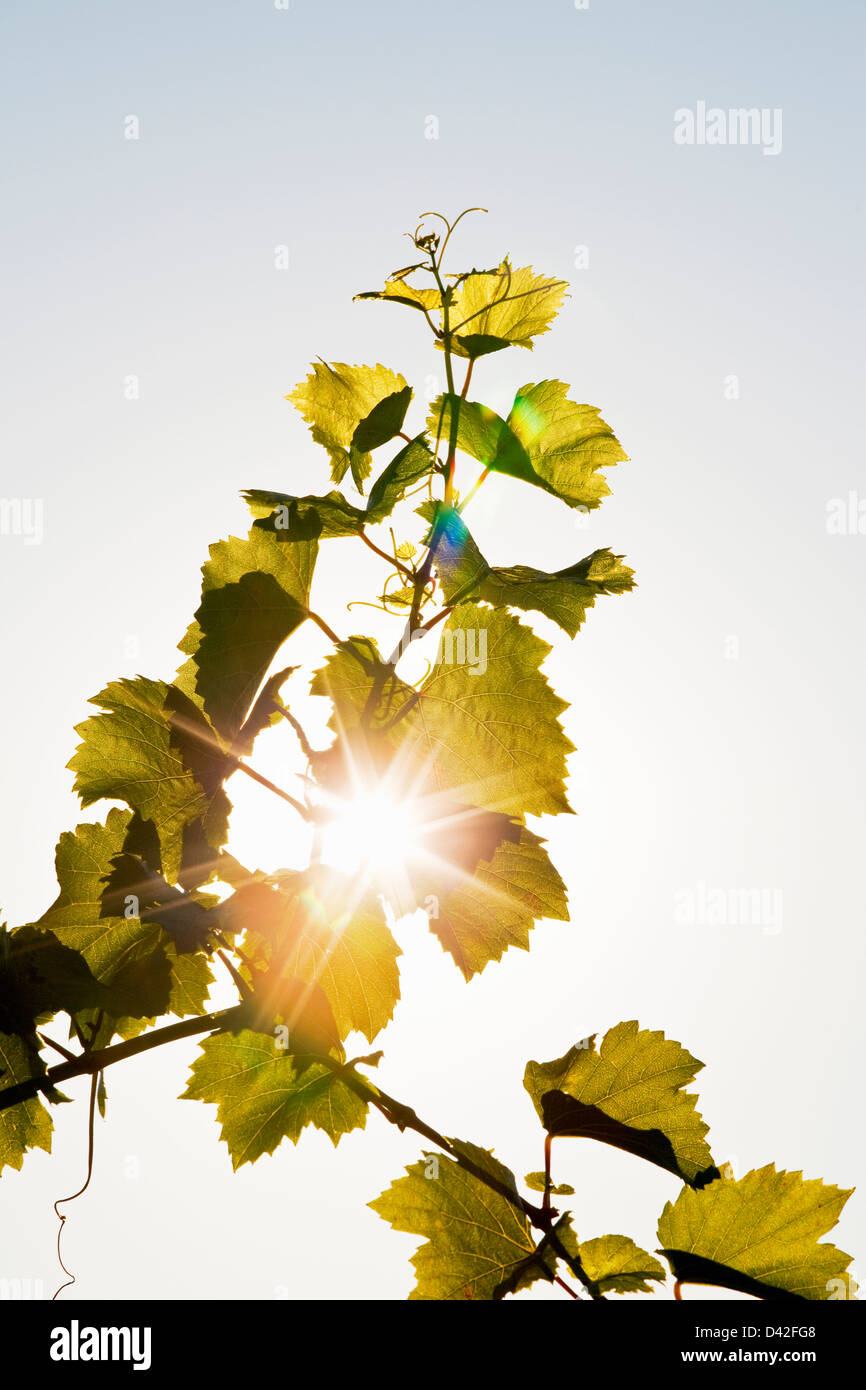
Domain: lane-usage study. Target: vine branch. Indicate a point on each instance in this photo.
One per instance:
(87, 1063)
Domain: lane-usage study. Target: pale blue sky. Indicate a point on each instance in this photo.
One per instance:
(155, 258)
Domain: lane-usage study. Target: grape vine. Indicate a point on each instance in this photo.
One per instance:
(151, 898)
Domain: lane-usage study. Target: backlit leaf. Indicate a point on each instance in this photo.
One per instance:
(498, 905)
(242, 627)
(629, 1094)
(334, 515)
(26, 1125)
(125, 955)
(564, 595)
(566, 443)
(39, 976)
(139, 751)
(413, 462)
(352, 410)
(484, 436)
(254, 593)
(399, 291)
(323, 930)
(614, 1263)
(536, 1183)
(277, 512)
(547, 440)
(486, 725)
(135, 962)
(511, 305)
(474, 1237)
(263, 1097)
(759, 1234)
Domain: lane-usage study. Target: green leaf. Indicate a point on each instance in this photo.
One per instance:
(191, 979)
(26, 1125)
(628, 1094)
(484, 435)
(301, 1007)
(486, 723)
(263, 713)
(564, 595)
(566, 443)
(758, 1234)
(384, 421)
(125, 955)
(480, 344)
(397, 291)
(135, 962)
(40, 976)
(253, 591)
(547, 440)
(352, 410)
(242, 628)
(186, 920)
(291, 561)
(482, 879)
(499, 904)
(475, 1238)
(536, 1183)
(490, 310)
(332, 515)
(281, 512)
(617, 1265)
(413, 463)
(322, 929)
(356, 680)
(612, 1264)
(139, 751)
(353, 957)
(262, 1097)
(508, 305)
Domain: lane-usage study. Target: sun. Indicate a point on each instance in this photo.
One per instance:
(374, 831)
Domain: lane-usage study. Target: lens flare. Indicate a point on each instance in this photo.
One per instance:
(373, 831)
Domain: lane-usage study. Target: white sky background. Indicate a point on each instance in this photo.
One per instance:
(156, 258)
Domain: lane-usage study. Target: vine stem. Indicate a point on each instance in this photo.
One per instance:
(473, 490)
(404, 1117)
(394, 1111)
(548, 1143)
(320, 622)
(87, 1063)
(62, 1201)
(93, 1062)
(392, 559)
(298, 806)
(194, 731)
(423, 573)
(306, 747)
(58, 1047)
